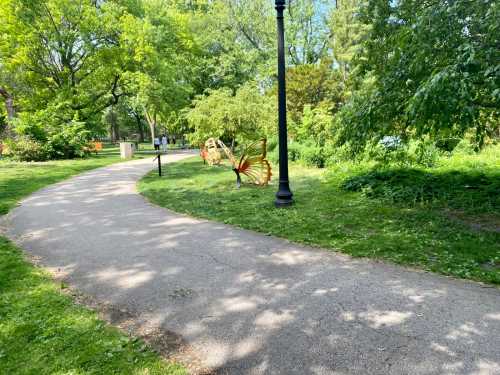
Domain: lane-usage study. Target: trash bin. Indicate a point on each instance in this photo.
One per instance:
(126, 150)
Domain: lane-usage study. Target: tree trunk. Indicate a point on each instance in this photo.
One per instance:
(151, 119)
(140, 128)
(9, 103)
(9, 106)
(114, 126)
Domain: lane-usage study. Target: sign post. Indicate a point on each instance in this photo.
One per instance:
(158, 156)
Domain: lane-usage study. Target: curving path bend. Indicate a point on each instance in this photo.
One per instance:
(248, 303)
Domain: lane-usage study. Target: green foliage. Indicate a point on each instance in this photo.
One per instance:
(303, 153)
(39, 140)
(427, 154)
(447, 144)
(315, 125)
(313, 156)
(357, 71)
(241, 117)
(32, 126)
(429, 70)
(388, 154)
(72, 141)
(347, 31)
(458, 190)
(61, 54)
(26, 149)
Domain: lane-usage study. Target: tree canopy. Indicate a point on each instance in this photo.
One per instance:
(372, 68)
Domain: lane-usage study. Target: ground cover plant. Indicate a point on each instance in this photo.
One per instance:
(42, 330)
(444, 219)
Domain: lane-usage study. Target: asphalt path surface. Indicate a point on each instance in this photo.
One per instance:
(248, 303)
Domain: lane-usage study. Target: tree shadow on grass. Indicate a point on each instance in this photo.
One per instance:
(475, 192)
(253, 304)
(331, 217)
(43, 331)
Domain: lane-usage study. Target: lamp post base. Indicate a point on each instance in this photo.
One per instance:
(283, 198)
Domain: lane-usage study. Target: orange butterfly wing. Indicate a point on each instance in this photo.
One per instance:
(203, 152)
(254, 165)
(228, 153)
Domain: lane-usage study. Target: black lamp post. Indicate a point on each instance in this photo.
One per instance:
(284, 194)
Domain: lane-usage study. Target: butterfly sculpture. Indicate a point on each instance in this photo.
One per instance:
(252, 163)
(210, 153)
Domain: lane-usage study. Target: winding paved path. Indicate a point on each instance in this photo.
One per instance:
(252, 304)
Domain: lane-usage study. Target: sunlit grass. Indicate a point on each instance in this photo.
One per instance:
(42, 331)
(454, 234)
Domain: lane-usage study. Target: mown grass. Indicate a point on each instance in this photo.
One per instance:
(444, 219)
(19, 179)
(42, 331)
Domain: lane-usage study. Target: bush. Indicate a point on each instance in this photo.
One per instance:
(447, 144)
(426, 154)
(389, 150)
(308, 154)
(294, 151)
(464, 147)
(31, 126)
(467, 189)
(337, 154)
(69, 143)
(27, 149)
(313, 156)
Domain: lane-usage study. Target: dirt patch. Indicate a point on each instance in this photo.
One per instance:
(483, 222)
(489, 266)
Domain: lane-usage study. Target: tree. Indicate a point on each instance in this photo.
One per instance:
(161, 45)
(347, 32)
(240, 117)
(64, 55)
(307, 30)
(430, 69)
(311, 85)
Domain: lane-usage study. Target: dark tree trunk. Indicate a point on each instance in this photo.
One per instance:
(11, 111)
(140, 128)
(9, 106)
(113, 125)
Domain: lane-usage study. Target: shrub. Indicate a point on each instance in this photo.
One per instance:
(389, 150)
(426, 154)
(337, 154)
(467, 189)
(313, 156)
(27, 149)
(447, 144)
(294, 151)
(70, 142)
(30, 126)
(464, 147)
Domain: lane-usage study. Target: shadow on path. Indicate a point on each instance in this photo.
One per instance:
(252, 304)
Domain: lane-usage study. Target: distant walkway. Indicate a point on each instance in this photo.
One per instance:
(249, 303)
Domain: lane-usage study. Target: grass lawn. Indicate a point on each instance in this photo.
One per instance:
(19, 179)
(42, 331)
(445, 219)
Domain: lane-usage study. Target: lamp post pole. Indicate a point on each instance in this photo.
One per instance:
(284, 194)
